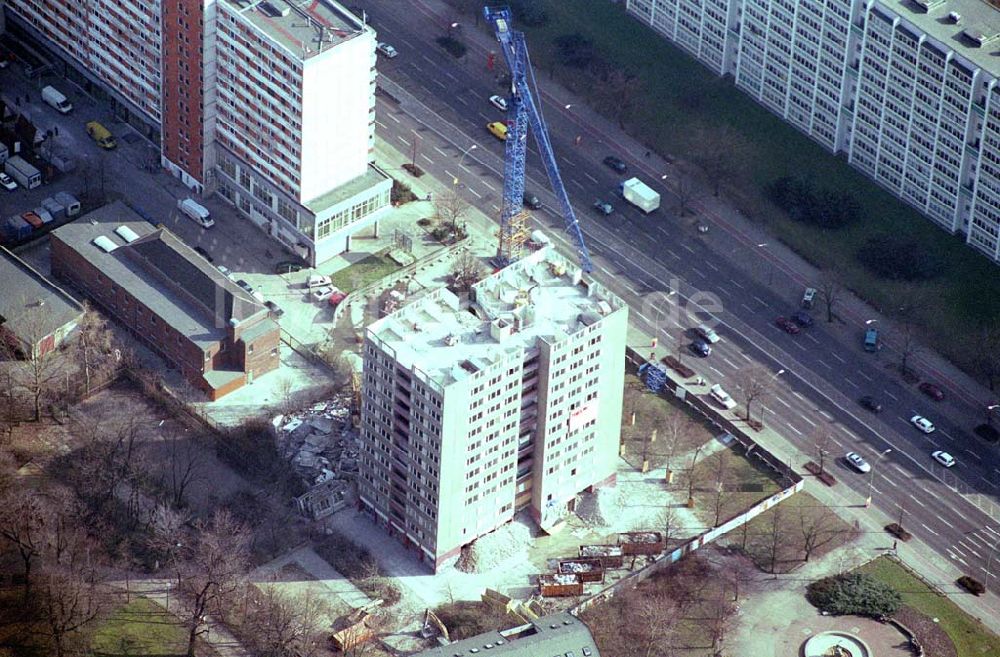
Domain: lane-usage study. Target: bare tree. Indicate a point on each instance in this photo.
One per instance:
(720, 464)
(718, 610)
(775, 537)
(909, 345)
(617, 92)
(830, 291)
(23, 521)
(108, 465)
(822, 441)
(167, 533)
(184, 467)
(686, 190)
(719, 151)
(93, 346)
(691, 479)
(669, 521)
(755, 384)
(216, 565)
(280, 625)
(655, 617)
(450, 208)
(466, 271)
(35, 366)
(676, 429)
(817, 530)
(986, 352)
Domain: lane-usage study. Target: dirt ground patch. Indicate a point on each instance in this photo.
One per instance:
(725, 483)
(678, 432)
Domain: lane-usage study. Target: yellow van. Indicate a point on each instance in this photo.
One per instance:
(101, 135)
(498, 130)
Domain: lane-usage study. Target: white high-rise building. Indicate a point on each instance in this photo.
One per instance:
(906, 88)
(474, 411)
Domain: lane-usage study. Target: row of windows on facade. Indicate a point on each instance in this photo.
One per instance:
(351, 215)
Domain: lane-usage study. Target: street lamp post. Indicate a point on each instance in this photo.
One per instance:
(769, 383)
(989, 413)
(454, 179)
(871, 479)
(770, 266)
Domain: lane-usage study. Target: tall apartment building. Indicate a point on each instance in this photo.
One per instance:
(905, 88)
(472, 412)
(271, 103)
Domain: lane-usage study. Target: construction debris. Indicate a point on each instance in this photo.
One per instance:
(560, 585)
(494, 549)
(322, 444)
(610, 555)
(641, 542)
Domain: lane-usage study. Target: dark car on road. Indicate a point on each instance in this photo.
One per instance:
(787, 325)
(603, 207)
(701, 348)
(932, 391)
(204, 254)
(871, 404)
(803, 319)
(616, 164)
(531, 201)
(246, 286)
(275, 309)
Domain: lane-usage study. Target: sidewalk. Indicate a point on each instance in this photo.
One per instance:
(732, 231)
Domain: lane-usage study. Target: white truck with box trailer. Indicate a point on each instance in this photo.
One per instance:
(56, 100)
(640, 195)
(20, 170)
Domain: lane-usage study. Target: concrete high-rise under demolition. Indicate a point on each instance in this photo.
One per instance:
(473, 411)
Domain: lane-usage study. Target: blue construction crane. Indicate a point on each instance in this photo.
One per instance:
(523, 109)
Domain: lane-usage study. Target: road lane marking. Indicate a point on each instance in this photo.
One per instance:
(826, 415)
(729, 363)
(959, 559)
(792, 427)
(807, 420)
(699, 272)
(673, 255)
(891, 396)
(736, 283)
(824, 364)
(489, 186)
(688, 248)
(760, 301)
(931, 531)
(708, 263)
(462, 100)
(783, 403)
(851, 383)
(577, 183)
(478, 195)
(440, 152)
(747, 307)
(453, 78)
(919, 503)
(567, 162)
(716, 371)
(864, 376)
(427, 158)
(888, 481)
(393, 117)
(973, 454)
(590, 178)
(838, 357)
(746, 357)
(811, 337)
(402, 139)
(450, 174)
(798, 396)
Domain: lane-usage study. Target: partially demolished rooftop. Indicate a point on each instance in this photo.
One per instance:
(544, 296)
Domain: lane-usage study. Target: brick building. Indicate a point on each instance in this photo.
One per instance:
(219, 336)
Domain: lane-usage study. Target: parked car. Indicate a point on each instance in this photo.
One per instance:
(808, 297)
(7, 182)
(274, 308)
(803, 319)
(701, 348)
(321, 294)
(944, 458)
(616, 163)
(225, 271)
(707, 333)
(721, 396)
(205, 254)
(499, 102)
(931, 390)
(531, 201)
(316, 280)
(871, 339)
(386, 50)
(871, 404)
(922, 423)
(336, 297)
(857, 462)
(787, 325)
(246, 286)
(603, 207)
(101, 135)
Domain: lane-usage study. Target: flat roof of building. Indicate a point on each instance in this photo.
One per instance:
(557, 634)
(369, 179)
(305, 27)
(23, 292)
(142, 267)
(542, 296)
(976, 35)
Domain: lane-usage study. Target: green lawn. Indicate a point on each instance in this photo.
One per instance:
(372, 268)
(140, 628)
(970, 637)
(677, 94)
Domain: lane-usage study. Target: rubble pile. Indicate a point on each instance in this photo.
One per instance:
(322, 445)
(494, 549)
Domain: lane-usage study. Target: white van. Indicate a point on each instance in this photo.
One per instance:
(57, 100)
(196, 211)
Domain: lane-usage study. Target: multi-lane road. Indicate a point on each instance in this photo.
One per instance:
(436, 109)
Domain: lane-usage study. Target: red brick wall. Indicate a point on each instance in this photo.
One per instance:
(183, 35)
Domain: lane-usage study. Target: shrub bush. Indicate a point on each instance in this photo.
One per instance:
(574, 50)
(898, 532)
(401, 193)
(803, 202)
(973, 586)
(854, 593)
(528, 12)
(899, 258)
